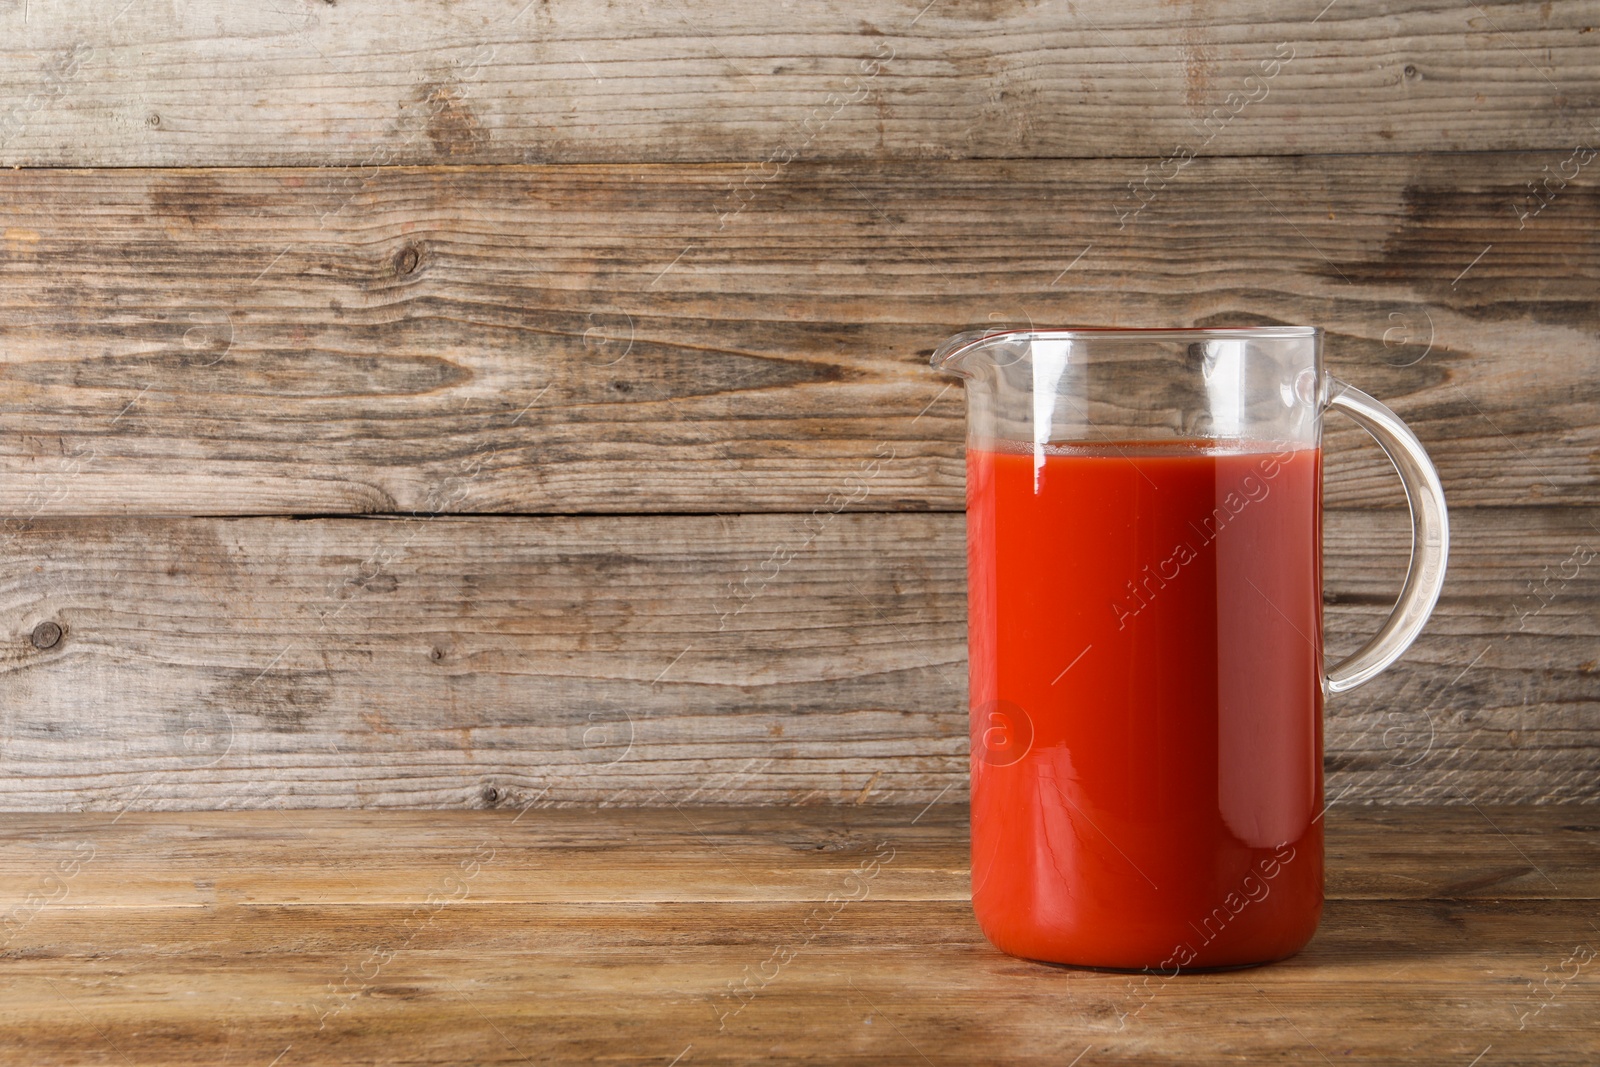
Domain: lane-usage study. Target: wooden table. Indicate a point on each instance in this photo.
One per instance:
(1455, 936)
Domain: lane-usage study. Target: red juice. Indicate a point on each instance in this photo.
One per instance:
(1145, 632)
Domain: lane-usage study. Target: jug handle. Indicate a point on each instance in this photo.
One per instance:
(1430, 538)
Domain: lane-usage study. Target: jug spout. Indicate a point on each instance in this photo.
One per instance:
(955, 355)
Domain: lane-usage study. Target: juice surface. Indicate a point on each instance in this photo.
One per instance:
(1145, 630)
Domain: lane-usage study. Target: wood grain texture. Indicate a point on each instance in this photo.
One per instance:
(497, 662)
(606, 339)
(341, 937)
(96, 83)
(700, 853)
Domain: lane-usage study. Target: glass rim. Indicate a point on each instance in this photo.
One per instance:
(955, 350)
(1153, 333)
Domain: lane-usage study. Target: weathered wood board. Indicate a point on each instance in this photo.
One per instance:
(597, 339)
(129, 82)
(648, 294)
(493, 662)
(654, 937)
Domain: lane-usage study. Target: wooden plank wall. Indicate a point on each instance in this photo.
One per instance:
(496, 403)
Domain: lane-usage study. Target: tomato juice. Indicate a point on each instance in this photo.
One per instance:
(1145, 629)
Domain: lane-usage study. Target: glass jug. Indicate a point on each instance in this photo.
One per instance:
(1144, 537)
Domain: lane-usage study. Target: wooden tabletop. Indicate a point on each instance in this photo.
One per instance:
(1453, 936)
